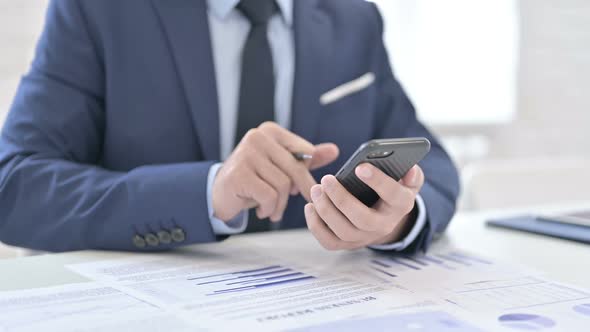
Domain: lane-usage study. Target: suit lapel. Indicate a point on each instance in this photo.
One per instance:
(186, 25)
(313, 45)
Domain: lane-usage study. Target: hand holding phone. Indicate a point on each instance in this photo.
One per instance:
(366, 203)
(394, 157)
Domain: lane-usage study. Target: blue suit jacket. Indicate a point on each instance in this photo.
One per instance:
(114, 128)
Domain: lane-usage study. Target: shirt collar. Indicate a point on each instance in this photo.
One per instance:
(222, 8)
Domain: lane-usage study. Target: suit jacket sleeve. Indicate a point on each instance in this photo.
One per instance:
(397, 117)
(52, 196)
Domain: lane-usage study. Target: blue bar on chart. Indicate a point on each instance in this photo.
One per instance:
(281, 276)
(470, 258)
(244, 280)
(380, 263)
(404, 264)
(246, 276)
(463, 259)
(384, 272)
(454, 259)
(416, 260)
(245, 288)
(235, 273)
(437, 262)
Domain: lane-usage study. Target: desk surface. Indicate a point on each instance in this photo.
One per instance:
(561, 260)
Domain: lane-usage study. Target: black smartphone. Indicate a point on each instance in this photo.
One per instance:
(395, 157)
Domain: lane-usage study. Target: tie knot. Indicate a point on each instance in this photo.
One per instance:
(258, 11)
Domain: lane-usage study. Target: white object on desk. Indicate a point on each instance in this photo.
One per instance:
(82, 307)
(551, 257)
(212, 287)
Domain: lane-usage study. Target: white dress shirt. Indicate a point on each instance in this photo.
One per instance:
(229, 30)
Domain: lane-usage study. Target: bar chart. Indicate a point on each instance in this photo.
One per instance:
(394, 266)
(250, 279)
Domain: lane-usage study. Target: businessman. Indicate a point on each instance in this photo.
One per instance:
(147, 125)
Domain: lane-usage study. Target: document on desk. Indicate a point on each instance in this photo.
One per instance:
(89, 307)
(241, 289)
(523, 304)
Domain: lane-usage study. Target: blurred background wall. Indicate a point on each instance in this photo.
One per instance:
(543, 81)
(553, 103)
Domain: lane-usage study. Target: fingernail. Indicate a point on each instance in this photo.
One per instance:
(307, 209)
(413, 179)
(316, 192)
(327, 182)
(364, 171)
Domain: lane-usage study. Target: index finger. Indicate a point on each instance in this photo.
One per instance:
(296, 170)
(287, 139)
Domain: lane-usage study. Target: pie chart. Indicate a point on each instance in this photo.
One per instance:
(583, 309)
(527, 322)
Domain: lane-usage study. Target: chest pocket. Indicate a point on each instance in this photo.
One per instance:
(347, 113)
(354, 97)
(351, 88)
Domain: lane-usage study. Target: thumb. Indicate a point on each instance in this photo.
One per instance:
(414, 179)
(324, 154)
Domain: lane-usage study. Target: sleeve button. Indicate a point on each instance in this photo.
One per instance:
(178, 235)
(139, 241)
(151, 240)
(164, 237)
